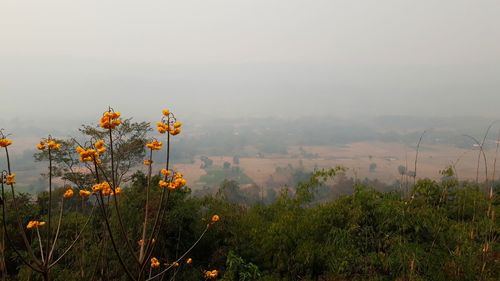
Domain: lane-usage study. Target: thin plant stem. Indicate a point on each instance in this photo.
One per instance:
(146, 208)
(113, 243)
(18, 219)
(76, 239)
(416, 157)
(118, 214)
(183, 255)
(57, 232)
(161, 210)
(49, 211)
(100, 201)
(4, 223)
(40, 242)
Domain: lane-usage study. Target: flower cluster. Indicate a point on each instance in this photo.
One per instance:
(10, 179)
(87, 155)
(35, 224)
(4, 142)
(53, 145)
(110, 120)
(50, 144)
(155, 263)
(85, 193)
(99, 145)
(211, 274)
(41, 145)
(103, 186)
(163, 127)
(177, 182)
(105, 189)
(154, 145)
(68, 194)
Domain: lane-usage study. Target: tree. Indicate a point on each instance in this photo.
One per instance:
(129, 141)
(402, 170)
(236, 160)
(207, 162)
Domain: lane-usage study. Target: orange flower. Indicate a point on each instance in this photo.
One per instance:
(215, 218)
(104, 187)
(106, 192)
(110, 120)
(41, 146)
(211, 274)
(189, 261)
(154, 145)
(85, 193)
(4, 142)
(155, 263)
(30, 225)
(175, 132)
(161, 127)
(79, 149)
(99, 145)
(179, 183)
(53, 145)
(177, 124)
(148, 162)
(165, 172)
(68, 194)
(10, 179)
(166, 112)
(87, 155)
(35, 224)
(118, 191)
(96, 187)
(163, 184)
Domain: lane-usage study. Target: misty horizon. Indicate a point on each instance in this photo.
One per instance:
(252, 90)
(223, 59)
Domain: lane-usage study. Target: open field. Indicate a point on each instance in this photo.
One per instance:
(357, 157)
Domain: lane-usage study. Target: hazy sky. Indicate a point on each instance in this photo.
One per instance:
(247, 58)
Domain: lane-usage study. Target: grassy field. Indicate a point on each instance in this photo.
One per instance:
(357, 157)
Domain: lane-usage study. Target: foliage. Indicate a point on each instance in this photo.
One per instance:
(130, 139)
(439, 230)
(238, 269)
(216, 175)
(369, 235)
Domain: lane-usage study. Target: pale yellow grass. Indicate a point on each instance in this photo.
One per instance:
(387, 156)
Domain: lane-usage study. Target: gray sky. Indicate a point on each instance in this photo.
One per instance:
(248, 58)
